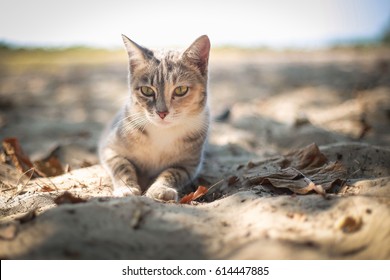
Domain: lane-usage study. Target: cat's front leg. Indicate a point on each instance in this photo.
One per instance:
(121, 190)
(168, 183)
(124, 178)
(122, 172)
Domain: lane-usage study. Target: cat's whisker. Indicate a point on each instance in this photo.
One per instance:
(200, 126)
(143, 128)
(133, 116)
(133, 127)
(139, 122)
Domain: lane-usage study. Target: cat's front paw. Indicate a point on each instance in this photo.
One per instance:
(162, 192)
(121, 191)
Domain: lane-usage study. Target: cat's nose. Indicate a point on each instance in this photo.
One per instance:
(162, 114)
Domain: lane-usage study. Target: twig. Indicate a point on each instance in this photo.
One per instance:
(216, 184)
(17, 183)
(39, 179)
(54, 185)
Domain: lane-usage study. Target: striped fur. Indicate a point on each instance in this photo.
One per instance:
(155, 144)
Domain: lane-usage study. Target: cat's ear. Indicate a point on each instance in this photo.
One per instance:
(137, 54)
(198, 53)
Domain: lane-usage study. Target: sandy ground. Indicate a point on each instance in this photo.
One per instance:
(279, 196)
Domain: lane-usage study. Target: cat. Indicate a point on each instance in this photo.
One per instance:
(156, 142)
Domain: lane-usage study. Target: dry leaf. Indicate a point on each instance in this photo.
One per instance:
(301, 171)
(201, 191)
(68, 198)
(288, 178)
(307, 157)
(19, 159)
(232, 180)
(8, 231)
(46, 189)
(49, 167)
(350, 224)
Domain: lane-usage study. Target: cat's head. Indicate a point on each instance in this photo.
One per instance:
(169, 87)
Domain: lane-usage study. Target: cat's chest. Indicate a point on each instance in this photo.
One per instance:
(163, 142)
(159, 149)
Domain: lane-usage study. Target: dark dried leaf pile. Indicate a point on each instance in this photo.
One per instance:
(13, 154)
(300, 171)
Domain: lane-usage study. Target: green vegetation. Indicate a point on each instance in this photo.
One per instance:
(14, 57)
(386, 37)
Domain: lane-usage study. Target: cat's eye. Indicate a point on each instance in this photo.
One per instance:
(147, 91)
(181, 90)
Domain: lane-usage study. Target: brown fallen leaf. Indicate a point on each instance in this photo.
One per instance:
(350, 224)
(232, 180)
(306, 158)
(49, 167)
(46, 189)
(301, 171)
(3, 156)
(288, 178)
(68, 198)
(8, 231)
(18, 158)
(201, 191)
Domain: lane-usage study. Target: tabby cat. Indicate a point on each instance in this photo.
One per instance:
(155, 144)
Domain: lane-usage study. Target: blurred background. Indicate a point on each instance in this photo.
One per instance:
(282, 73)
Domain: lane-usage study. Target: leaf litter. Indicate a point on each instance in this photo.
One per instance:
(68, 198)
(301, 172)
(18, 158)
(47, 167)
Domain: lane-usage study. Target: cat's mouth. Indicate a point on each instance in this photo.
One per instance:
(162, 122)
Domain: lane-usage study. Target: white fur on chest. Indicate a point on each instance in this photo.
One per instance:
(158, 149)
(164, 140)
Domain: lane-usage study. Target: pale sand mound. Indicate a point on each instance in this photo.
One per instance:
(251, 221)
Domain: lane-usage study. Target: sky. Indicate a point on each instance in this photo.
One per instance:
(153, 23)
